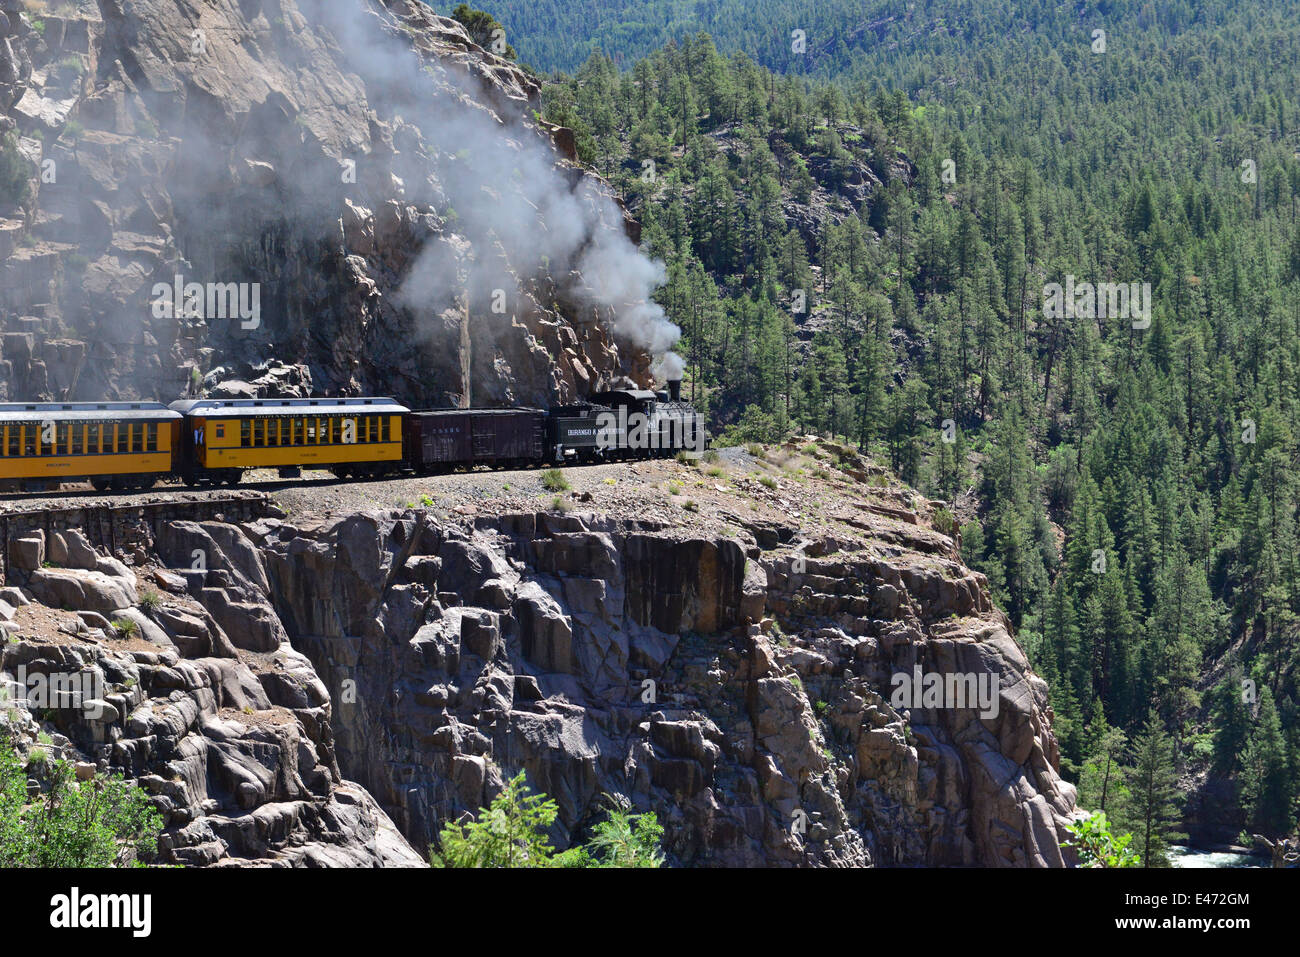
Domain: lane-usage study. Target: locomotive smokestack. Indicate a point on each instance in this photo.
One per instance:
(675, 390)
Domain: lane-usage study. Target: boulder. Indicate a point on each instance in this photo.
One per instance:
(78, 589)
(27, 553)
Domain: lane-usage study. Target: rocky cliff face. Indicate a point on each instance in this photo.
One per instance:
(737, 682)
(371, 183)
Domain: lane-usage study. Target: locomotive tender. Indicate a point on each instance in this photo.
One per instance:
(126, 445)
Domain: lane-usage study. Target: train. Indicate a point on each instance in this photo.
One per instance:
(211, 442)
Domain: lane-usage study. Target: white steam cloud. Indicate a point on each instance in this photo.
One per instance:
(526, 217)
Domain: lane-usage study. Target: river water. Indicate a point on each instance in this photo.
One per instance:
(1180, 856)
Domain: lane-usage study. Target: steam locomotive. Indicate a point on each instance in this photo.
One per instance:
(126, 445)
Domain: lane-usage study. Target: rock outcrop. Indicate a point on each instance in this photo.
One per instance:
(161, 695)
(604, 657)
(360, 195)
(740, 686)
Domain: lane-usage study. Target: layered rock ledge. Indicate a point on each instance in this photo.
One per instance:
(736, 680)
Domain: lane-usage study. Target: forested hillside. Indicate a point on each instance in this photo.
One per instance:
(898, 39)
(874, 257)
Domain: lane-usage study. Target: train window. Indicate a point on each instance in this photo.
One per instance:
(137, 437)
(245, 433)
(92, 439)
(151, 437)
(221, 430)
(29, 439)
(384, 424)
(78, 433)
(62, 439)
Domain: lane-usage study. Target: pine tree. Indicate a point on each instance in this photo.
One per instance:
(1155, 799)
(1267, 794)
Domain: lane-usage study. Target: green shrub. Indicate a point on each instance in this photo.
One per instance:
(945, 522)
(125, 627)
(104, 822)
(553, 480)
(511, 832)
(15, 173)
(1098, 847)
(625, 840)
(755, 425)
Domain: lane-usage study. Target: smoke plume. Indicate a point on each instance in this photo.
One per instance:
(503, 192)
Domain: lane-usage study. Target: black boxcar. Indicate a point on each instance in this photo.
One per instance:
(446, 438)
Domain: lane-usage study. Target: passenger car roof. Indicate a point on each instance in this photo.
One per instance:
(86, 412)
(251, 408)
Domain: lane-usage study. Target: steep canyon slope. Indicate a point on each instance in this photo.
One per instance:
(358, 198)
(319, 682)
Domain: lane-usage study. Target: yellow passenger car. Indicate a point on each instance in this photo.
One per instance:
(110, 444)
(224, 437)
